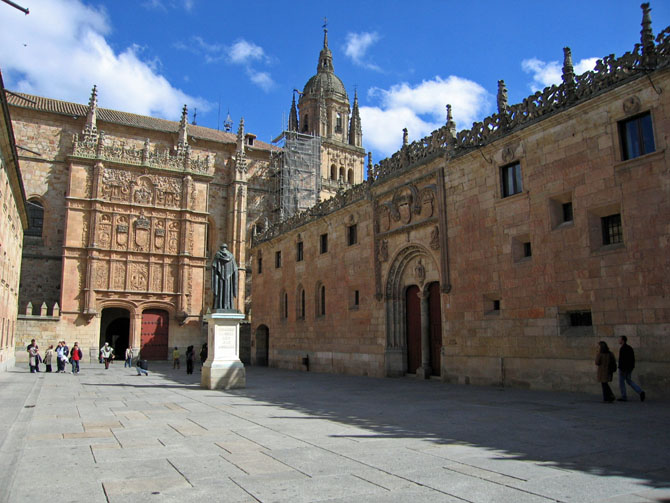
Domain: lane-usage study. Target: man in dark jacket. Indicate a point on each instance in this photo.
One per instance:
(626, 366)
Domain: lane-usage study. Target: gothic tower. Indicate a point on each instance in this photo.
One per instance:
(324, 111)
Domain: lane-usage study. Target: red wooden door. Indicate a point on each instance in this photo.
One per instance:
(154, 337)
(413, 319)
(435, 317)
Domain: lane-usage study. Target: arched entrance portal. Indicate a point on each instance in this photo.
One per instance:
(413, 314)
(115, 329)
(154, 336)
(262, 345)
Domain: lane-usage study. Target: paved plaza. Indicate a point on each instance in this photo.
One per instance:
(111, 436)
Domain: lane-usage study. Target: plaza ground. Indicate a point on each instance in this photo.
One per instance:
(108, 436)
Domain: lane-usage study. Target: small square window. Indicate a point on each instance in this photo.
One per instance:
(352, 235)
(527, 252)
(612, 230)
(521, 248)
(492, 304)
(299, 252)
(277, 259)
(511, 179)
(324, 243)
(567, 212)
(580, 318)
(637, 136)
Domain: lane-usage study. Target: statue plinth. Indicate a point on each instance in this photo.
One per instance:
(223, 368)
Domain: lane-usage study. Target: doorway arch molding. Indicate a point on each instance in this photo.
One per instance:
(414, 264)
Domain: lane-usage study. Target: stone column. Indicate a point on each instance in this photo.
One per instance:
(135, 333)
(223, 368)
(424, 371)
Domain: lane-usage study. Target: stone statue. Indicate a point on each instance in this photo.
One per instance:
(224, 279)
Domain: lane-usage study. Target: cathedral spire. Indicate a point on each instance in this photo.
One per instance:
(355, 130)
(92, 115)
(183, 128)
(240, 154)
(647, 37)
(293, 116)
(325, 56)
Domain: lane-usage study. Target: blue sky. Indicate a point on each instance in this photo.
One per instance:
(407, 60)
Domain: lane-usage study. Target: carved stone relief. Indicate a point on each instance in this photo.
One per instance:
(159, 235)
(118, 276)
(104, 231)
(173, 237)
(156, 278)
(142, 229)
(632, 105)
(101, 275)
(383, 254)
(122, 232)
(427, 203)
(420, 272)
(144, 191)
(384, 218)
(435, 238)
(138, 277)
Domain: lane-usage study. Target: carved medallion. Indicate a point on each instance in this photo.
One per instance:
(427, 203)
(631, 105)
(507, 154)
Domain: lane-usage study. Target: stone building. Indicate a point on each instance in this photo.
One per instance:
(125, 212)
(498, 255)
(14, 221)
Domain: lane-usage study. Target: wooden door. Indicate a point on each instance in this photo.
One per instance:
(435, 317)
(413, 320)
(154, 339)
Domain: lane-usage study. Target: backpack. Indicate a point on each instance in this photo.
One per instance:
(611, 366)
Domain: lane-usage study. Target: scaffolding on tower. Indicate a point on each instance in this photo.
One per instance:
(296, 166)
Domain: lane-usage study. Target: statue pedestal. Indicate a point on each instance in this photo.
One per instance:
(223, 368)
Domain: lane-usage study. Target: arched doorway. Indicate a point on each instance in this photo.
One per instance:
(154, 336)
(413, 327)
(115, 329)
(262, 346)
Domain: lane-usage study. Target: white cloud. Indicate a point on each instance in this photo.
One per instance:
(60, 51)
(548, 74)
(357, 45)
(165, 4)
(421, 109)
(243, 52)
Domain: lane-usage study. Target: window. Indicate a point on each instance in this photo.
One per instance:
(324, 243)
(350, 177)
(277, 260)
(352, 235)
(298, 252)
(580, 318)
(356, 298)
(322, 305)
(492, 304)
(260, 265)
(302, 304)
(285, 305)
(35, 218)
(333, 172)
(612, 231)
(637, 136)
(567, 212)
(338, 122)
(496, 305)
(521, 248)
(305, 124)
(511, 179)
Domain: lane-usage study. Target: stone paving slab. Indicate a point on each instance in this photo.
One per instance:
(305, 437)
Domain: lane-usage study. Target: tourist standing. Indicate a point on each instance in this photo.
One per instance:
(48, 356)
(34, 359)
(606, 364)
(107, 353)
(28, 348)
(76, 357)
(190, 357)
(65, 352)
(203, 355)
(626, 366)
(175, 358)
(129, 358)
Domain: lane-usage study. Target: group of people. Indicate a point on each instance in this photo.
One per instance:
(607, 366)
(62, 354)
(190, 357)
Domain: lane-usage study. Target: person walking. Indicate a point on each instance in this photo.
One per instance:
(48, 356)
(606, 363)
(28, 348)
(175, 358)
(107, 353)
(626, 366)
(76, 357)
(129, 358)
(190, 357)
